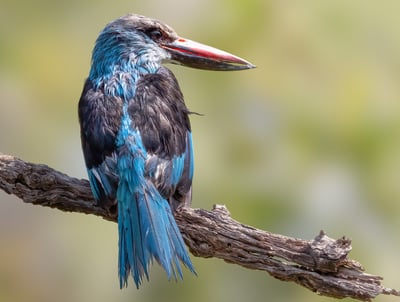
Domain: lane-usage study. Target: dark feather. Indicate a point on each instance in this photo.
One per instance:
(160, 114)
(100, 119)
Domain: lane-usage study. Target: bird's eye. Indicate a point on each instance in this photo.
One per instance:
(155, 34)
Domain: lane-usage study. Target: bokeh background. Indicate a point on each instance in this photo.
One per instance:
(309, 140)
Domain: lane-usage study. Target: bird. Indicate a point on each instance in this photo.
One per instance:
(137, 141)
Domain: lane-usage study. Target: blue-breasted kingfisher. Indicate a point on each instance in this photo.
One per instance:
(137, 141)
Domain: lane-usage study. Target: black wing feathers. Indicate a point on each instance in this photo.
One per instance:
(100, 119)
(160, 114)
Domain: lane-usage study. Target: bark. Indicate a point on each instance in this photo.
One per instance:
(321, 264)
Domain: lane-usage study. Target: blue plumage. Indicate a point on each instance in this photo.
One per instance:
(137, 141)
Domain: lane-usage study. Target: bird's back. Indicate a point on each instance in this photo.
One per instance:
(161, 117)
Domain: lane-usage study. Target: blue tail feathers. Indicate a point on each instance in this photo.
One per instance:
(147, 231)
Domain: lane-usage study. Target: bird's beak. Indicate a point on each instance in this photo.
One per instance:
(192, 54)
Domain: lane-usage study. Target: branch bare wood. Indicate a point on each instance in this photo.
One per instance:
(321, 264)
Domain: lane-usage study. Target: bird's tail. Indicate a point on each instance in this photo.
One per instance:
(147, 230)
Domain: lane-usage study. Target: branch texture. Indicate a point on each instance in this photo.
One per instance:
(321, 264)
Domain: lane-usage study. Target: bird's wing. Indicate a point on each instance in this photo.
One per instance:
(100, 118)
(161, 117)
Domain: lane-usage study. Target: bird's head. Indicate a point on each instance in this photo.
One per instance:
(135, 41)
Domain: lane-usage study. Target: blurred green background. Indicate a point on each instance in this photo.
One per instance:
(309, 140)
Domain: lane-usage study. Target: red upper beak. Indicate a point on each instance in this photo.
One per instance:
(197, 55)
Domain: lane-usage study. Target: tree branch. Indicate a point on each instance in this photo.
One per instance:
(321, 265)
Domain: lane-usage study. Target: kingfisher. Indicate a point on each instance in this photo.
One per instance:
(137, 140)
